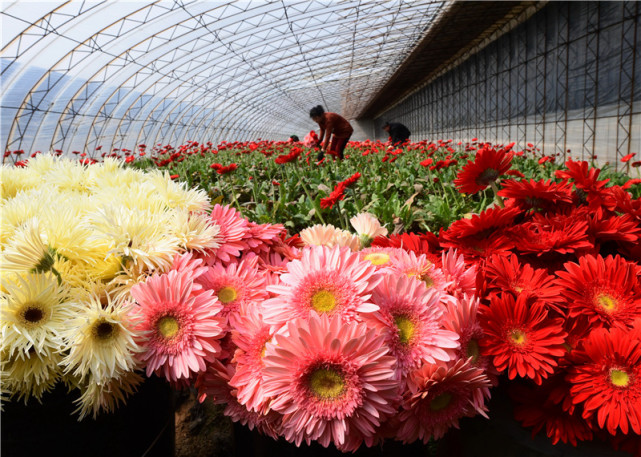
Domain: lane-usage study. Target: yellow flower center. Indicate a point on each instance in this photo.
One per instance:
(440, 402)
(606, 302)
(323, 301)
(103, 330)
(405, 327)
(227, 295)
(472, 350)
(327, 384)
(168, 327)
(32, 315)
(423, 277)
(377, 258)
(518, 337)
(619, 378)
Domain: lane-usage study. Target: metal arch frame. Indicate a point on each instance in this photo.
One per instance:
(47, 74)
(69, 126)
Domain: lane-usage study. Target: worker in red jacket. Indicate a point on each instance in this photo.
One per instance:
(332, 126)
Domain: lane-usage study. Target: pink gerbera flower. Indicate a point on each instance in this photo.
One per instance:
(233, 228)
(326, 280)
(182, 325)
(420, 268)
(235, 284)
(409, 317)
(251, 335)
(333, 382)
(215, 384)
(461, 280)
(260, 237)
(439, 395)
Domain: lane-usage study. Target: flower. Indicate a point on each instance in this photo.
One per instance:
(439, 395)
(34, 312)
(537, 194)
(100, 340)
(106, 396)
(410, 316)
(27, 252)
(333, 382)
(233, 228)
(606, 378)
(235, 284)
(339, 191)
(520, 337)
(487, 166)
(367, 227)
(30, 375)
(605, 291)
(328, 235)
(325, 280)
(294, 153)
(182, 325)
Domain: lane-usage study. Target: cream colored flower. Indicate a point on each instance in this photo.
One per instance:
(106, 396)
(367, 225)
(328, 235)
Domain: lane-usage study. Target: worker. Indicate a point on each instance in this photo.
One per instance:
(332, 126)
(398, 132)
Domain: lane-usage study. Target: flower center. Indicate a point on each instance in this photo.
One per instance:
(326, 383)
(227, 295)
(405, 327)
(377, 258)
(323, 301)
(487, 176)
(606, 302)
(517, 337)
(32, 314)
(168, 327)
(619, 378)
(104, 330)
(472, 350)
(440, 402)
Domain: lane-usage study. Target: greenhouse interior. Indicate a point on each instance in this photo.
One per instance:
(320, 228)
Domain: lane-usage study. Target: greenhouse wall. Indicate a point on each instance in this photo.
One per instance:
(567, 78)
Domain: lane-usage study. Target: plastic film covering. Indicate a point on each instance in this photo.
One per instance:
(566, 79)
(103, 76)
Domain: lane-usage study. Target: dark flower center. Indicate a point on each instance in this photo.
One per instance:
(487, 176)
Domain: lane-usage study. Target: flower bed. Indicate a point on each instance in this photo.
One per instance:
(330, 336)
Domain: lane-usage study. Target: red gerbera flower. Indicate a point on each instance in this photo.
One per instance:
(606, 378)
(286, 158)
(586, 181)
(339, 191)
(482, 234)
(521, 338)
(538, 407)
(537, 194)
(487, 166)
(553, 233)
(605, 291)
(603, 228)
(507, 274)
(422, 243)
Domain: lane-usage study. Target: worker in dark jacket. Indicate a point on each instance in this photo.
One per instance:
(397, 131)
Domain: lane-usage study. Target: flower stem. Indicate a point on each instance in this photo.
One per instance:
(499, 200)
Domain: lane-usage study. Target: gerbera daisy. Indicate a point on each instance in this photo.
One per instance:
(106, 395)
(420, 268)
(325, 280)
(606, 378)
(409, 317)
(261, 237)
(551, 234)
(235, 284)
(382, 258)
(195, 231)
(605, 229)
(328, 235)
(605, 291)
(482, 234)
(215, 384)
(422, 243)
(33, 314)
(439, 395)
(250, 334)
(368, 227)
(27, 252)
(100, 340)
(537, 194)
(460, 278)
(31, 374)
(182, 325)
(333, 382)
(504, 273)
(521, 338)
(233, 228)
(538, 408)
(486, 168)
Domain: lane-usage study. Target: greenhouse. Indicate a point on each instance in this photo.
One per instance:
(320, 228)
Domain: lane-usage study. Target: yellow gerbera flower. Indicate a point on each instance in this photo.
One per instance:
(106, 396)
(29, 375)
